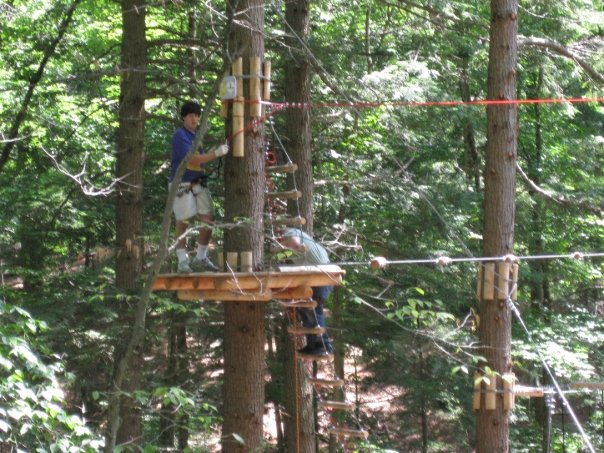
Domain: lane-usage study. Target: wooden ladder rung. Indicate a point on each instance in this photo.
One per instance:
(337, 405)
(327, 382)
(286, 168)
(306, 330)
(298, 304)
(349, 432)
(289, 195)
(289, 221)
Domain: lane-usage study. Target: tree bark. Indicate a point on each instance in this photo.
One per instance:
(297, 89)
(129, 221)
(492, 428)
(244, 335)
(300, 427)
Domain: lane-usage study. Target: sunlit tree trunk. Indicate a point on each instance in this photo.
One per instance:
(297, 89)
(129, 222)
(300, 426)
(244, 336)
(492, 427)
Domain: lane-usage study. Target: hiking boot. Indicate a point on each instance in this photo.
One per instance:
(315, 349)
(184, 268)
(320, 351)
(308, 349)
(203, 264)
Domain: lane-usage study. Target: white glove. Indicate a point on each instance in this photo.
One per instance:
(221, 150)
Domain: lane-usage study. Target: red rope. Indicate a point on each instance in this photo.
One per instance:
(276, 107)
(433, 103)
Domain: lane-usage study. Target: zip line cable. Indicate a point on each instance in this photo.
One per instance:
(444, 260)
(545, 365)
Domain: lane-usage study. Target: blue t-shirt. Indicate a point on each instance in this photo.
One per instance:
(181, 143)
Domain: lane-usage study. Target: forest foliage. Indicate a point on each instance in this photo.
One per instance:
(394, 176)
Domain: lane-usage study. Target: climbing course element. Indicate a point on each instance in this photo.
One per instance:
(327, 382)
(232, 94)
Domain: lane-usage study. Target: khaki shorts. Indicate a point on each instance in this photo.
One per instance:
(196, 201)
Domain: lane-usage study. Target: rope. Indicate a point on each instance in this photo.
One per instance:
(559, 391)
(480, 102)
(444, 260)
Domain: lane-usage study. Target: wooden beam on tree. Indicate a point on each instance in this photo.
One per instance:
(332, 383)
(285, 168)
(297, 330)
(288, 195)
(349, 432)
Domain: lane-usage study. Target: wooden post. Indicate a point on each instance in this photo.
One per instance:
(224, 108)
(255, 105)
(514, 277)
(509, 380)
(266, 85)
(486, 276)
(490, 396)
(238, 110)
(497, 281)
(237, 70)
(232, 258)
(477, 389)
(246, 261)
(503, 277)
(221, 259)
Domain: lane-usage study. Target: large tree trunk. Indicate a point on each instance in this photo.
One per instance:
(300, 434)
(297, 89)
(300, 426)
(244, 336)
(129, 228)
(492, 428)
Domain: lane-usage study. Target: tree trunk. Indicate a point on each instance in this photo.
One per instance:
(130, 147)
(177, 373)
(297, 89)
(129, 222)
(298, 393)
(492, 428)
(300, 429)
(244, 335)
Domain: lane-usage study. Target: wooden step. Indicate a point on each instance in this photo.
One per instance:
(298, 304)
(327, 382)
(336, 405)
(306, 330)
(349, 432)
(286, 168)
(289, 194)
(314, 357)
(288, 221)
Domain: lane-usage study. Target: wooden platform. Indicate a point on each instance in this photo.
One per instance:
(284, 283)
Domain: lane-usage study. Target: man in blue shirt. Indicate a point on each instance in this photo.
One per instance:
(309, 251)
(193, 199)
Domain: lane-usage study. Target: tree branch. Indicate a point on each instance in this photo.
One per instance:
(556, 198)
(561, 50)
(33, 82)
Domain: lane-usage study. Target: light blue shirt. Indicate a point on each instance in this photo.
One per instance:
(315, 253)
